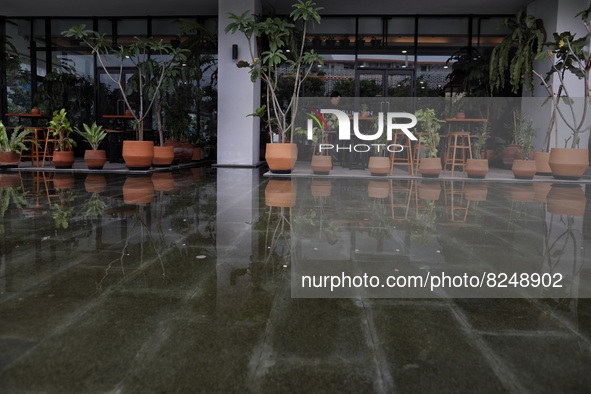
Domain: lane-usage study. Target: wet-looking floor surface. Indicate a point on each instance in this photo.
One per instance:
(191, 281)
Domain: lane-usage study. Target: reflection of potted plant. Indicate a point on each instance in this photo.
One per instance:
(62, 211)
(477, 167)
(8, 196)
(10, 148)
(280, 36)
(430, 166)
(94, 158)
(61, 130)
(524, 133)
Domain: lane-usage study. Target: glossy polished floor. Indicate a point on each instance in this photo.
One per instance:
(184, 282)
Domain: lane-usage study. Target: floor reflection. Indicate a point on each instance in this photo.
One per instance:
(184, 282)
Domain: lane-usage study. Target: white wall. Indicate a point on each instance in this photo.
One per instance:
(238, 135)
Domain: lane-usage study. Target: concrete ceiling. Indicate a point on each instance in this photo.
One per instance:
(210, 7)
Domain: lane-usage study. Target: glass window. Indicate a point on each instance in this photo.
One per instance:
(18, 66)
(438, 40)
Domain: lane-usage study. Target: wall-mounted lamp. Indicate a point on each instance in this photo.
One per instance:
(234, 51)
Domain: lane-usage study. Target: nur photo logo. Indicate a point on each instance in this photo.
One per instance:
(385, 122)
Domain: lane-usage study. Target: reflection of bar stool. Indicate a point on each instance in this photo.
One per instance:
(400, 158)
(32, 142)
(459, 148)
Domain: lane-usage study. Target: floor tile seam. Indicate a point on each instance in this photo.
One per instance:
(502, 369)
(525, 333)
(563, 321)
(262, 351)
(385, 380)
(76, 315)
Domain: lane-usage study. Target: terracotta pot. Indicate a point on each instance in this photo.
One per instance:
(429, 191)
(63, 181)
(95, 183)
(35, 111)
(476, 168)
(9, 159)
(196, 173)
(567, 200)
(128, 112)
(430, 167)
(10, 180)
(137, 191)
(321, 187)
(567, 163)
(163, 156)
(280, 193)
(378, 189)
(521, 192)
(138, 155)
(541, 190)
(542, 163)
(378, 165)
(183, 179)
(524, 169)
(476, 191)
(460, 115)
(183, 151)
(196, 153)
(63, 159)
(163, 182)
(281, 158)
(95, 159)
(321, 165)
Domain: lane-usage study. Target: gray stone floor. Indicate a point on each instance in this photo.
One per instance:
(183, 282)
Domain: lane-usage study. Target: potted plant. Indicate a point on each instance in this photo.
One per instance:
(61, 130)
(430, 166)
(94, 158)
(321, 162)
(152, 60)
(524, 133)
(379, 163)
(567, 56)
(10, 147)
(364, 110)
(570, 55)
(285, 44)
(477, 167)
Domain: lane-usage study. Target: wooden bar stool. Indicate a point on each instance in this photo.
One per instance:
(49, 146)
(459, 148)
(32, 142)
(404, 157)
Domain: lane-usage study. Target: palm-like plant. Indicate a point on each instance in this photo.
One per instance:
(14, 143)
(93, 134)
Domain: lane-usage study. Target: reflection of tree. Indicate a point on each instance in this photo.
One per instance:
(141, 228)
(562, 255)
